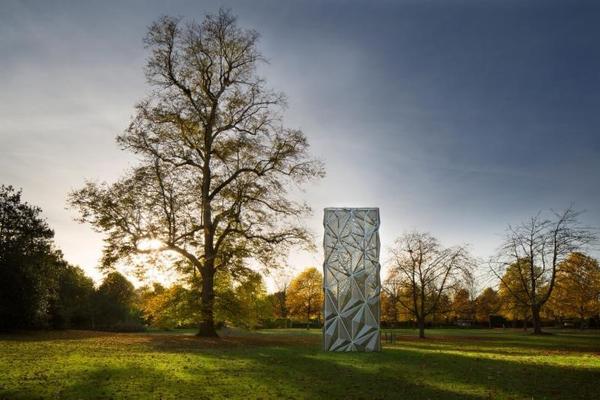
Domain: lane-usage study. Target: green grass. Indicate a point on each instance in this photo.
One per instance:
(280, 364)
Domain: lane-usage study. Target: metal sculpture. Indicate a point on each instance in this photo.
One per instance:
(351, 279)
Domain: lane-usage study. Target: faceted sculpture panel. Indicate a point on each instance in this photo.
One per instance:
(351, 279)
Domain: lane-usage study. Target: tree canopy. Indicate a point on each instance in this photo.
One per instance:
(424, 270)
(216, 163)
(28, 262)
(533, 251)
(577, 288)
(305, 295)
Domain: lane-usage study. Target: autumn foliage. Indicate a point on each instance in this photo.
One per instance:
(305, 295)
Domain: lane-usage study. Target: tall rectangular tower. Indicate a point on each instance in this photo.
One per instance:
(351, 279)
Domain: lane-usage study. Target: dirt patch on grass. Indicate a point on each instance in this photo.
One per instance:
(191, 342)
(163, 341)
(53, 335)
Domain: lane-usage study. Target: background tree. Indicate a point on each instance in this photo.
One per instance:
(216, 162)
(71, 305)
(279, 304)
(29, 265)
(305, 295)
(38, 288)
(443, 310)
(389, 310)
(462, 305)
(279, 298)
(535, 249)
(487, 304)
(427, 270)
(577, 288)
(390, 297)
(114, 302)
(169, 308)
(513, 298)
(244, 304)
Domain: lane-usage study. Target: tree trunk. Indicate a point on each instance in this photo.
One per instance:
(421, 314)
(207, 323)
(535, 319)
(421, 323)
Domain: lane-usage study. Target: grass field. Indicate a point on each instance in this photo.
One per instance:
(451, 364)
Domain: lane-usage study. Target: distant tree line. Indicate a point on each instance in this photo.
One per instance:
(544, 278)
(39, 289)
(426, 285)
(575, 301)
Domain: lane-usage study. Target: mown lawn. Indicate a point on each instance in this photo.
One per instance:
(451, 364)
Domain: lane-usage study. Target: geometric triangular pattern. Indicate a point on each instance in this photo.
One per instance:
(351, 279)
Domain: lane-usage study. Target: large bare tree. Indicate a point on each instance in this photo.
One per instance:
(426, 270)
(216, 164)
(535, 249)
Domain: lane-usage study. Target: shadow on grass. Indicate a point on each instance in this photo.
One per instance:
(305, 371)
(271, 366)
(51, 335)
(264, 378)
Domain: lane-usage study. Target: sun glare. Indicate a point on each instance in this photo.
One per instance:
(149, 244)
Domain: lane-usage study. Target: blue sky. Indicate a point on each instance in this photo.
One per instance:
(453, 117)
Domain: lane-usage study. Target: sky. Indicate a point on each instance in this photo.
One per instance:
(453, 117)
